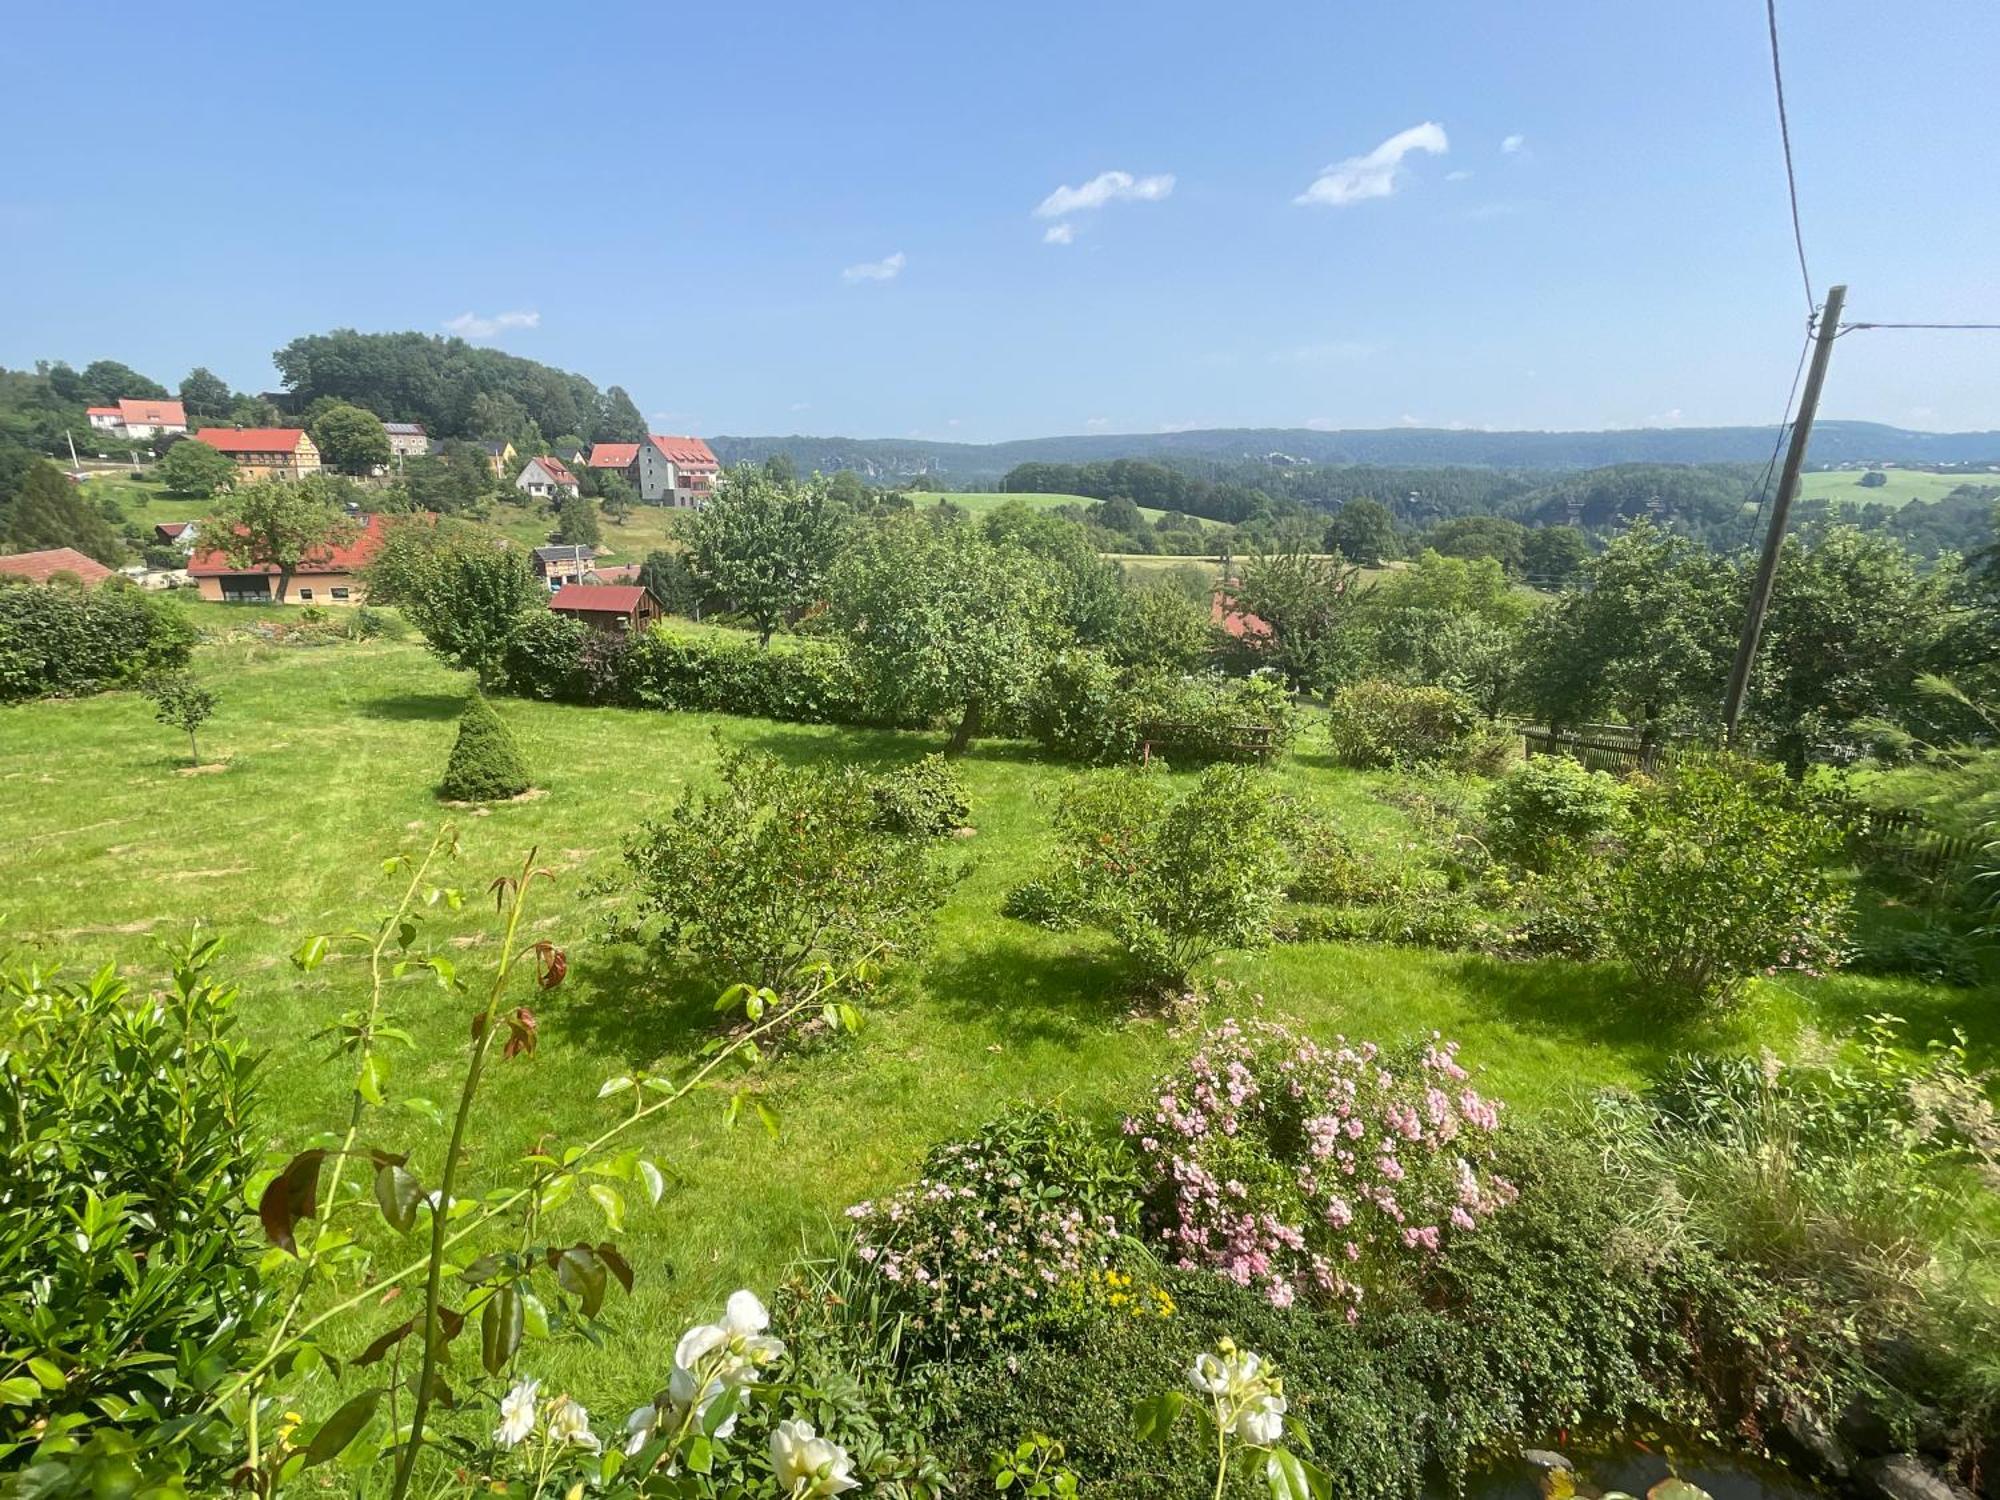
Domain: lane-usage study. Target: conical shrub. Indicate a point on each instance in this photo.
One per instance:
(485, 764)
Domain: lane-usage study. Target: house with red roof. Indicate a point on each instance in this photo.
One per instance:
(611, 607)
(139, 419)
(329, 576)
(618, 456)
(265, 452)
(53, 562)
(545, 477)
(677, 471)
(1224, 614)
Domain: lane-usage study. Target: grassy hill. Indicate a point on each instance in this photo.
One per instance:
(331, 756)
(1904, 486)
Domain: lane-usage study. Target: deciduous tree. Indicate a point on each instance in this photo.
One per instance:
(351, 439)
(279, 523)
(49, 510)
(195, 470)
(765, 544)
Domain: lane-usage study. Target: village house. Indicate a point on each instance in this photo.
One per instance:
(265, 452)
(558, 565)
(140, 419)
(613, 608)
(678, 471)
(52, 563)
(544, 477)
(406, 439)
(499, 458)
(330, 576)
(176, 534)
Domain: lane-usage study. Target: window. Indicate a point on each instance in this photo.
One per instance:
(340, 593)
(305, 593)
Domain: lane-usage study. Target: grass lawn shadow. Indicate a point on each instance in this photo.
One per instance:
(628, 1005)
(1544, 998)
(408, 707)
(1026, 993)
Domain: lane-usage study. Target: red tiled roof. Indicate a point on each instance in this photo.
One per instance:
(153, 413)
(613, 455)
(616, 573)
(690, 452)
(350, 557)
(40, 567)
(172, 530)
(102, 411)
(597, 598)
(555, 468)
(1224, 612)
(251, 439)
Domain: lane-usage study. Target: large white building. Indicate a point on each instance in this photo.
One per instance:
(139, 419)
(666, 470)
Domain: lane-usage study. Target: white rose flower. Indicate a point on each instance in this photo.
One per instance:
(517, 1413)
(640, 1427)
(1209, 1377)
(1262, 1420)
(808, 1466)
(569, 1425)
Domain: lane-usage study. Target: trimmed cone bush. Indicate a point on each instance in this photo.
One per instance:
(485, 764)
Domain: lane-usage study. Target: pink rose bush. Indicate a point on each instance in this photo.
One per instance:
(1313, 1172)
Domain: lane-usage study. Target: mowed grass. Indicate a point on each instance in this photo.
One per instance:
(331, 754)
(1904, 486)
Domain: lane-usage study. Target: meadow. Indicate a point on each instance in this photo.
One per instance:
(1904, 486)
(326, 759)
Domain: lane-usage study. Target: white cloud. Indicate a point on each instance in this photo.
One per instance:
(1461, 175)
(802, 406)
(472, 326)
(1664, 419)
(1511, 143)
(1406, 420)
(886, 269)
(1322, 424)
(951, 422)
(1374, 175)
(1105, 187)
(1059, 234)
(1097, 424)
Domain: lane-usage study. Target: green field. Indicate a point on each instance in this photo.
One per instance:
(328, 758)
(979, 504)
(1904, 486)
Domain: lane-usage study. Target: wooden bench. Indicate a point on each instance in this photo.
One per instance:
(1247, 741)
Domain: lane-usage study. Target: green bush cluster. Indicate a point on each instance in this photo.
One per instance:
(925, 800)
(485, 764)
(1083, 708)
(64, 640)
(128, 1279)
(1548, 807)
(1377, 725)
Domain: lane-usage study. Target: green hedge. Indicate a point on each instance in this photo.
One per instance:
(65, 640)
(1085, 709)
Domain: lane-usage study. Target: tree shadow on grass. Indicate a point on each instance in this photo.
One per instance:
(878, 748)
(413, 706)
(1027, 993)
(630, 1005)
(1588, 1003)
(1843, 1003)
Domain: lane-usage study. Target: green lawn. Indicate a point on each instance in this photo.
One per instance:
(331, 754)
(1904, 486)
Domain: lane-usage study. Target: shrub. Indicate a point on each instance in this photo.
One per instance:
(1314, 1172)
(127, 1277)
(485, 763)
(1173, 879)
(1331, 871)
(1080, 709)
(1043, 904)
(1548, 806)
(1376, 725)
(780, 868)
(183, 703)
(925, 800)
(1726, 873)
(1013, 1231)
(807, 682)
(1084, 709)
(73, 641)
(1934, 954)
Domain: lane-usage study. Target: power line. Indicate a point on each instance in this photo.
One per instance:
(1784, 425)
(1785, 134)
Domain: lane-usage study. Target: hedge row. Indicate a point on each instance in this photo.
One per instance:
(66, 640)
(1085, 709)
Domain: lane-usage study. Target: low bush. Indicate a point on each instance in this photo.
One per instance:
(65, 640)
(128, 1280)
(1013, 1231)
(485, 764)
(779, 869)
(1548, 807)
(1726, 873)
(1082, 708)
(1936, 954)
(1331, 872)
(1315, 1173)
(1174, 879)
(1377, 725)
(926, 800)
(1043, 904)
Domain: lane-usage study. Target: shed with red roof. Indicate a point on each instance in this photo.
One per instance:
(615, 607)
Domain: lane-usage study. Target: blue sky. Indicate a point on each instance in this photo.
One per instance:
(824, 218)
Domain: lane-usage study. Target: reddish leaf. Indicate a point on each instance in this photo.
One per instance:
(383, 1343)
(292, 1195)
(620, 1267)
(520, 1032)
(553, 961)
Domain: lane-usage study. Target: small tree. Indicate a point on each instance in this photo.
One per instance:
(485, 764)
(464, 593)
(183, 702)
(1174, 879)
(279, 523)
(765, 544)
(195, 470)
(1306, 601)
(1363, 532)
(351, 439)
(576, 522)
(781, 868)
(1727, 872)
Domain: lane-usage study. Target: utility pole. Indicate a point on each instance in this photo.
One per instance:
(1774, 539)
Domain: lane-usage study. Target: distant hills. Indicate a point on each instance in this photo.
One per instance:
(1833, 442)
